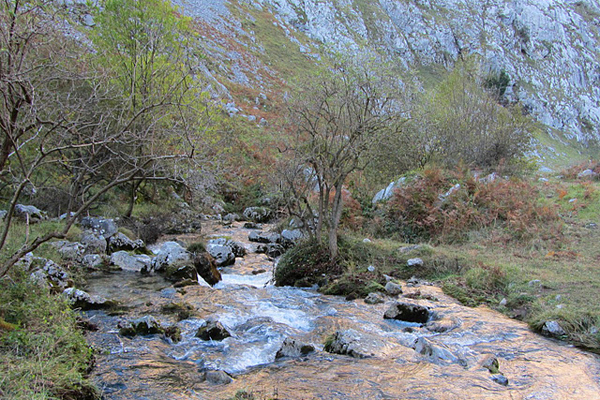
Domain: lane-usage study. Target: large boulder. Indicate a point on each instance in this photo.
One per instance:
(257, 214)
(223, 255)
(128, 262)
(100, 226)
(32, 213)
(351, 343)
(386, 193)
(237, 248)
(289, 237)
(263, 237)
(408, 312)
(146, 325)
(169, 254)
(72, 251)
(93, 243)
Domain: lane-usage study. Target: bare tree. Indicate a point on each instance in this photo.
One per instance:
(339, 116)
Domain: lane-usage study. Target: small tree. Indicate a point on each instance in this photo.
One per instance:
(338, 116)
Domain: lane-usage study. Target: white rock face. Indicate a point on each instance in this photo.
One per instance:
(550, 49)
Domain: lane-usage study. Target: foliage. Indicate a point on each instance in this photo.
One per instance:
(46, 356)
(444, 206)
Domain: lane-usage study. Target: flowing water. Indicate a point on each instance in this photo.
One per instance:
(260, 316)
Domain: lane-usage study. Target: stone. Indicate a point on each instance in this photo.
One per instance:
(48, 273)
(586, 173)
(100, 226)
(408, 249)
(294, 348)
(128, 262)
(205, 267)
(257, 214)
(408, 312)
(289, 237)
(173, 332)
(251, 225)
(33, 213)
(491, 364)
(222, 254)
(274, 250)
(437, 354)
(414, 261)
(212, 330)
(3, 214)
(500, 379)
(170, 253)
(371, 268)
(393, 288)
(348, 342)
(534, 283)
(231, 217)
(262, 237)
(443, 325)
(553, 329)
(93, 243)
(386, 193)
(374, 298)
(237, 248)
(217, 377)
(146, 325)
(79, 299)
(71, 251)
(120, 242)
(93, 261)
(503, 302)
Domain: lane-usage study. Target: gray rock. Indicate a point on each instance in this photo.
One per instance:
(408, 312)
(48, 273)
(553, 329)
(503, 302)
(222, 254)
(93, 260)
(437, 354)
(257, 214)
(294, 348)
(586, 173)
(212, 330)
(291, 237)
(262, 237)
(171, 253)
(93, 243)
(491, 364)
(73, 251)
(34, 213)
(414, 261)
(535, 283)
(274, 250)
(231, 217)
(100, 226)
(374, 298)
(393, 289)
(408, 249)
(236, 248)
(128, 262)
(251, 225)
(120, 242)
(79, 299)
(217, 377)
(3, 214)
(500, 379)
(386, 194)
(146, 325)
(349, 342)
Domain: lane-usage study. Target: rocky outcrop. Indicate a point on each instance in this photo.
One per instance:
(120, 242)
(257, 214)
(31, 213)
(212, 330)
(128, 262)
(79, 299)
(206, 268)
(293, 348)
(146, 325)
(100, 226)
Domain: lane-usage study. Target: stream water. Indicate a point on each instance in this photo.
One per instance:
(261, 316)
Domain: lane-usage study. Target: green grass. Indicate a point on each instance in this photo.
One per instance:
(46, 356)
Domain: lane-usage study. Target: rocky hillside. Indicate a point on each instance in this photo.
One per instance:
(548, 49)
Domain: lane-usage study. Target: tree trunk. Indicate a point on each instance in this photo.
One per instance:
(134, 188)
(336, 214)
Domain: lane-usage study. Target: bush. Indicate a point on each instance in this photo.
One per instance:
(426, 210)
(304, 265)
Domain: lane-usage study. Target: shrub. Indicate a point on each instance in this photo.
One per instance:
(426, 209)
(305, 265)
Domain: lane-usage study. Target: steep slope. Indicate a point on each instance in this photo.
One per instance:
(549, 49)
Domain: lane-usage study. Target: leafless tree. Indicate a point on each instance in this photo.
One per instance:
(338, 117)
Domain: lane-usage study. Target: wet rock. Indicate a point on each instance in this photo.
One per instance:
(258, 271)
(236, 248)
(100, 226)
(206, 268)
(348, 342)
(32, 213)
(79, 299)
(251, 225)
(294, 348)
(408, 312)
(393, 289)
(414, 262)
(212, 330)
(93, 243)
(374, 298)
(178, 273)
(222, 254)
(120, 242)
(436, 353)
(257, 214)
(500, 379)
(146, 325)
(443, 325)
(553, 329)
(128, 262)
(491, 364)
(48, 273)
(217, 377)
(262, 237)
(173, 332)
